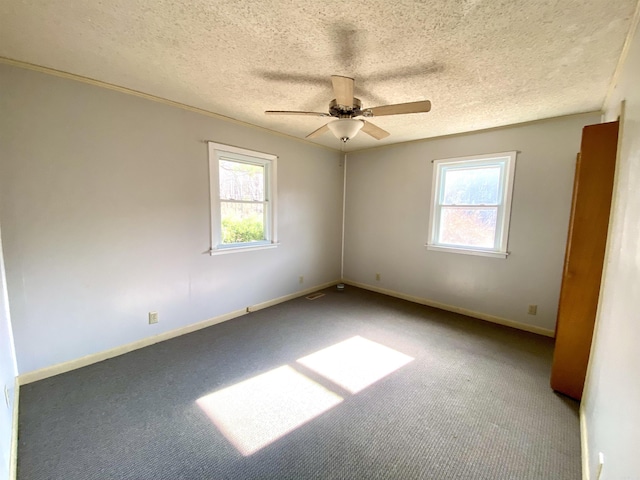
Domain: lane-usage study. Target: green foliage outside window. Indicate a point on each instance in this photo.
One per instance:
(249, 229)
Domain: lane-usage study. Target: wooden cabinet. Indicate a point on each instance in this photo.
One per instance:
(584, 258)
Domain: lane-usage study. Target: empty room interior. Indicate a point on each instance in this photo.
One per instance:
(269, 239)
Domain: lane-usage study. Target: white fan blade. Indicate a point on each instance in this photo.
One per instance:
(400, 108)
(375, 131)
(318, 132)
(343, 90)
(288, 112)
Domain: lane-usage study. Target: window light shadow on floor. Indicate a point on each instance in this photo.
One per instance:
(355, 363)
(256, 412)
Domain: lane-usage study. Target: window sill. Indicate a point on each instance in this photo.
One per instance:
(467, 251)
(242, 248)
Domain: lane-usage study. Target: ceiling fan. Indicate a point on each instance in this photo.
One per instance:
(345, 107)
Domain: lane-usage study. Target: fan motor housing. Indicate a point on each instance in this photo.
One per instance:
(342, 111)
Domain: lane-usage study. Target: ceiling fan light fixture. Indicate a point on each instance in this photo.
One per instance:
(344, 107)
(345, 128)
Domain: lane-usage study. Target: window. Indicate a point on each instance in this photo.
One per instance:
(243, 193)
(471, 204)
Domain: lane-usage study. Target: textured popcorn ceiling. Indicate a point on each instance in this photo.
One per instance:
(482, 63)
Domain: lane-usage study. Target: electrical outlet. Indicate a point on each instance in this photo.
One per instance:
(301, 279)
(533, 310)
(153, 317)
(6, 396)
(377, 277)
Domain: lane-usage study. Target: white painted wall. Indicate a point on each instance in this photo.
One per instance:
(387, 213)
(8, 374)
(611, 401)
(104, 208)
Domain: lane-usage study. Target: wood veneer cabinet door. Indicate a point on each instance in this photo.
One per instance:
(584, 259)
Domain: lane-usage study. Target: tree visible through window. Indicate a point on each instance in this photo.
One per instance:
(242, 202)
(242, 197)
(471, 204)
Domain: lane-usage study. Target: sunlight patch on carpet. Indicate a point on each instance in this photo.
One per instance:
(256, 412)
(355, 363)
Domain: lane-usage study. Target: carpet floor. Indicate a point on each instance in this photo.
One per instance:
(353, 384)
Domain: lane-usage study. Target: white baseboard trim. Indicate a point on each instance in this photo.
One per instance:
(90, 359)
(450, 308)
(302, 293)
(13, 456)
(64, 367)
(584, 444)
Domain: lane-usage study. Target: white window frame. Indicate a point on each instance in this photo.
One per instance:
(507, 162)
(219, 151)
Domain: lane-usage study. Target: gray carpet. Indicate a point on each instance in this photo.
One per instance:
(474, 403)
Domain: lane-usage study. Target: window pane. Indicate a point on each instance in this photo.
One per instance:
(242, 222)
(241, 181)
(472, 186)
(474, 227)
